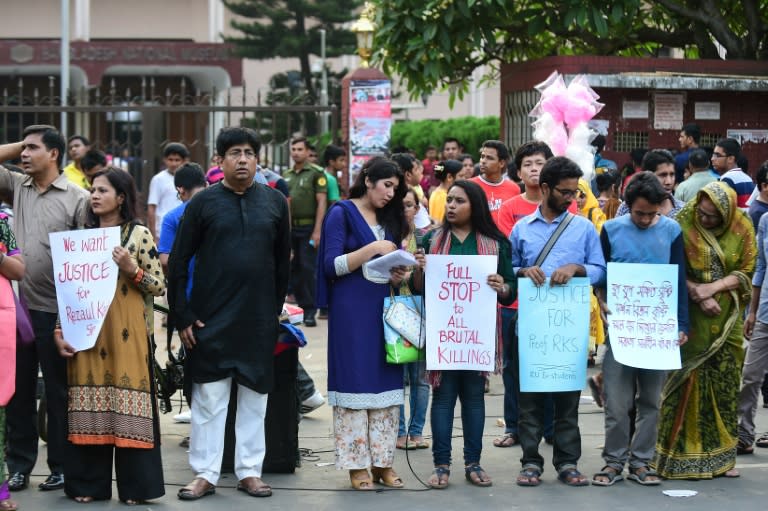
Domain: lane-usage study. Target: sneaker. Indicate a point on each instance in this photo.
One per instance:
(183, 418)
(313, 402)
(18, 481)
(55, 481)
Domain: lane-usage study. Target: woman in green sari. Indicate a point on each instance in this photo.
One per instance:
(697, 427)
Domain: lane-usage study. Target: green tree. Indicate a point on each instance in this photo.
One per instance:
(291, 28)
(471, 131)
(439, 43)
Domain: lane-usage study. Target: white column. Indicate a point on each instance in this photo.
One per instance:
(82, 14)
(215, 20)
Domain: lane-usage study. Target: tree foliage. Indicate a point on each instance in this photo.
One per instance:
(440, 43)
(471, 131)
(291, 28)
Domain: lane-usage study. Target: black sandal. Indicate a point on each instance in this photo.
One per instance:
(481, 478)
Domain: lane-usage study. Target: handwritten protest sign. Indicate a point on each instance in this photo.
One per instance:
(553, 335)
(85, 277)
(642, 325)
(460, 312)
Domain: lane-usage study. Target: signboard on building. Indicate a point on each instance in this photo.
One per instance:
(668, 111)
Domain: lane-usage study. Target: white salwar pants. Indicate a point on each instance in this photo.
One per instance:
(209, 417)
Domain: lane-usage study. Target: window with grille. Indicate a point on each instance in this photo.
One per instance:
(625, 141)
(709, 139)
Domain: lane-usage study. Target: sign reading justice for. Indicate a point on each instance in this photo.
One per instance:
(85, 276)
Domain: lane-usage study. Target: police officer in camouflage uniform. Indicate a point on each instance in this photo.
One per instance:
(307, 185)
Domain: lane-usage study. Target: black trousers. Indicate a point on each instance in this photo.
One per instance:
(303, 269)
(139, 472)
(21, 412)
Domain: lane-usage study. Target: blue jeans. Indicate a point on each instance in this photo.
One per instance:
(469, 387)
(418, 397)
(510, 377)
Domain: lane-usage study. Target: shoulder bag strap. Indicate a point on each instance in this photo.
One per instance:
(553, 239)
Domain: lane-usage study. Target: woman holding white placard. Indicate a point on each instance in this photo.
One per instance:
(468, 229)
(112, 408)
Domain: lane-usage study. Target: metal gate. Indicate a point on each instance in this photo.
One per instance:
(136, 124)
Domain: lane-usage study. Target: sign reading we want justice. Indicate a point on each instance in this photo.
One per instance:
(85, 276)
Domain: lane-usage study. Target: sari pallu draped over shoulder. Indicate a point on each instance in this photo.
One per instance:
(698, 419)
(441, 245)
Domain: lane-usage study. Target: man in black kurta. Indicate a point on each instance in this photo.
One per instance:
(239, 234)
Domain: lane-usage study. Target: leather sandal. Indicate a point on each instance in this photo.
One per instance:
(361, 479)
(387, 477)
(197, 489)
(254, 487)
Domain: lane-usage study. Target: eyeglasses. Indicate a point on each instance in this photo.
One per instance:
(718, 155)
(565, 192)
(236, 155)
(703, 214)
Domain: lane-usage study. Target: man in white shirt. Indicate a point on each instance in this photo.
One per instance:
(163, 196)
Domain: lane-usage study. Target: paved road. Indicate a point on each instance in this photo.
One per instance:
(318, 486)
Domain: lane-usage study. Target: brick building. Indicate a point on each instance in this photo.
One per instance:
(647, 100)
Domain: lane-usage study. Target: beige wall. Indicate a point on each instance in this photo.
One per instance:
(191, 20)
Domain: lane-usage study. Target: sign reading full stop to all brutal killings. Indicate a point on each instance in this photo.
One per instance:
(85, 276)
(460, 312)
(553, 335)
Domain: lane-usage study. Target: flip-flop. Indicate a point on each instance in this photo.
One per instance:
(640, 476)
(572, 477)
(609, 473)
(439, 479)
(480, 479)
(762, 441)
(530, 476)
(507, 440)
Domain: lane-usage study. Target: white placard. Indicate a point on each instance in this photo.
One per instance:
(642, 325)
(86, 278)
(460, 312)
(707, 110)
(634, 109)
(756, 136)
(668, 111)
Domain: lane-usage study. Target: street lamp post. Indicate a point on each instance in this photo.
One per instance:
(324, 83)
(363, 29)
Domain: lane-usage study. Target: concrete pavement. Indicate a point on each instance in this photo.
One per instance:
(318, 486)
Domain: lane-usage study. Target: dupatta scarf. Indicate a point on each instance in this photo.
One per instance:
(712, 254)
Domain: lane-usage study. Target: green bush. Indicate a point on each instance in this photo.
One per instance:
(470, 131)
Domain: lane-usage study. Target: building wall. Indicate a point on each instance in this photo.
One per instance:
(739, 109)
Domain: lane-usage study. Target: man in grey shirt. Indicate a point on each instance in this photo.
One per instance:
(43, 201)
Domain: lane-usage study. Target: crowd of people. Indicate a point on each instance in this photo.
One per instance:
(291, 237)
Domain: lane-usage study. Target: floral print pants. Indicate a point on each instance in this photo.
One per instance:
(365, 438)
